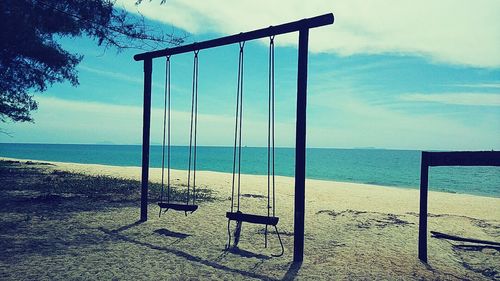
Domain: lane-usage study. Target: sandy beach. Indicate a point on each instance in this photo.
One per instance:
(352, 232)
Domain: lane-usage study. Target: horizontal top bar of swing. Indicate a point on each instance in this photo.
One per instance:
(461, 158)
(307, 23)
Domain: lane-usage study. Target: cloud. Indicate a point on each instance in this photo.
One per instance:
(348, 122)
(343, 119)
(119, 76)
(65, 121)
(480, 85)
(470, 99)
(446, 31)
(112, 74)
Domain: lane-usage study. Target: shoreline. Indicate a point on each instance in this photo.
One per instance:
(249, 175)
(346, 195)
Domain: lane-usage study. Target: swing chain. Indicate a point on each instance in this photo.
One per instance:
(165, 131)
(168, 130)
(194, 115)
(166, 141)
(270, 138)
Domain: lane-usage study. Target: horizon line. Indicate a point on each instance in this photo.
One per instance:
(230, 146)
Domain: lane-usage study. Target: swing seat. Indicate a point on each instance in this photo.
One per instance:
(241, 217)
(178, 207)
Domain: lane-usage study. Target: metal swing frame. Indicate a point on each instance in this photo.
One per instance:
(302, 26)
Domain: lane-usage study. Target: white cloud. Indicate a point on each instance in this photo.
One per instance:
(471, 99)
(112, 74)
(345, 120)
(64, 121)
(480, 85)
(120, 76)
(463, 32)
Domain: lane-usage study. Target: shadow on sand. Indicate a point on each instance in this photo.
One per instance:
(173, 234)
(246, 254)
(115, 234)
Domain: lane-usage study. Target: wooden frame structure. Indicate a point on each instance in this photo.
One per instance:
(433, 159)
(302, 26)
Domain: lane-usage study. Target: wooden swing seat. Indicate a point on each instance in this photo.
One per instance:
(241, 217)
(178, 207)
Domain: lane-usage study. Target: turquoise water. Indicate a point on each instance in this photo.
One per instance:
(399, 168)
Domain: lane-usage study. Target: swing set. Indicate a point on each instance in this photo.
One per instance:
(235, 214)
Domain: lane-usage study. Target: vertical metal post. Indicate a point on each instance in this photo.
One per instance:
(300, 148)
(422, 225)
(146, 126)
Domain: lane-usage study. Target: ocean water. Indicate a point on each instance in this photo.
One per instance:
(398, 168)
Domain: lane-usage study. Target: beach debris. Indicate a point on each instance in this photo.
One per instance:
(253, 195)
(440, 235)
(367, 220)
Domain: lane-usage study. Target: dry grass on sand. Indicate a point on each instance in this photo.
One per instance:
(56, 224)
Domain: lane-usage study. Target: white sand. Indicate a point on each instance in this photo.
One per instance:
(353, 231)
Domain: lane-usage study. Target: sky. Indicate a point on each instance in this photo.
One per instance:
(387, 74)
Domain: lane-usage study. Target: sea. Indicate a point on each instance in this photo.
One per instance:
(396, 168)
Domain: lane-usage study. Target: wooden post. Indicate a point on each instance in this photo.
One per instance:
(300, 148)
(422, 225)
(146, 126)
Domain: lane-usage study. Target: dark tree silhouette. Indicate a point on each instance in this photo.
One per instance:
(31, 58)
